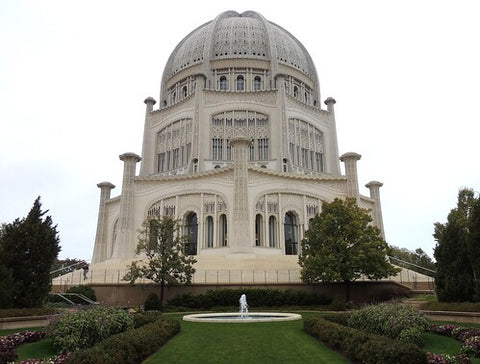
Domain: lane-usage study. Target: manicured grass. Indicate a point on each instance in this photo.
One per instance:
(39, 349)
(440, 344)
(271, 342)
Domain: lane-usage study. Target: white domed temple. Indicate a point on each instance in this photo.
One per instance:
(240, 150)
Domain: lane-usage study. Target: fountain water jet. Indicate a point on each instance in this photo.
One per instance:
(242, 316)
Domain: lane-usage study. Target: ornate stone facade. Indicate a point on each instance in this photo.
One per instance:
(239, 150)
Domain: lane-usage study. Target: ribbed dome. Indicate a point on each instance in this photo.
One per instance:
(233, 36)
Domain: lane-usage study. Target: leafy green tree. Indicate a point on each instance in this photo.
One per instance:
(341, 245)
(28, 248)
(166, 259)
(457, 251)
(418, 258)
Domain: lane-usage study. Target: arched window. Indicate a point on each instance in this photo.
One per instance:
(223, 230)
(257, 83)
(191, 231)
(209, 232)
(291, 234)
(223, 83)
(258, 230)
(295, 91)
(272, 231)
(184, 90)
(240, 83)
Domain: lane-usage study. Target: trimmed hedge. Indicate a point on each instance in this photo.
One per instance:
(25, 312)
(255, 298)
(131, 346)
(360, 346)
(153, 302)
(451, 306)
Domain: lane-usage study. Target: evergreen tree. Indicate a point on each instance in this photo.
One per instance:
(341, 246)
(28, 248)
(457, 251)
(166, 259)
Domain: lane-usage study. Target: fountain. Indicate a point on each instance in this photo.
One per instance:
(243, 306)
(242, 316)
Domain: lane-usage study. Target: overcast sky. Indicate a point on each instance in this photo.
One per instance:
(74, 74)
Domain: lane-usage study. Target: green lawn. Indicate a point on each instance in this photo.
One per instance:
(39, 349)
(271, 342)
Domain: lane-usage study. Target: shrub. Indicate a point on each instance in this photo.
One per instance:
(395, 321)
(360, 346)
(143, 318)
(255, 298)
(153, 302)
(85, 328)
(129, 347)
(87, 291)
(451, 306)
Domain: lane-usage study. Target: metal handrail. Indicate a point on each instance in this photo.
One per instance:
(412, 264)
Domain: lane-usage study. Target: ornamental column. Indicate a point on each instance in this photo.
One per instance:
(125, 244)
(374, 187)
(100, 249)
(350, 159)
(148, 151)
(333, 166)
(240, 237)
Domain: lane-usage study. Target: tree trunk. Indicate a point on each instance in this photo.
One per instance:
(162, 289)
(347, 291)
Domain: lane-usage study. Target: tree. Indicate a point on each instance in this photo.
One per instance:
(457, 251)
(28, 248)
(418, 258)
(166, 259)
(341, 245)
(64, 266)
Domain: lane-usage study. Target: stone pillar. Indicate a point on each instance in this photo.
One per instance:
(126, 243)
(148, 152)
(374, 187)
(100, 249)
(240, 238)
(332, 166)
(350, 159)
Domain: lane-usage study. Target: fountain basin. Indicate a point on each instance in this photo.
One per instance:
(236, 317)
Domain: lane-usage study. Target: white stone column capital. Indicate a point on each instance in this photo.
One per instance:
(126, 157)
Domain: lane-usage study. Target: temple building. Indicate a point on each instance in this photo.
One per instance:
(240, 148)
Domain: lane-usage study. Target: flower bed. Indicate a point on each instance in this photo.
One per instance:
(9, 342)
(469, 336)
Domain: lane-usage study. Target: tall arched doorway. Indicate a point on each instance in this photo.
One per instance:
(191, 230)
(291, 234)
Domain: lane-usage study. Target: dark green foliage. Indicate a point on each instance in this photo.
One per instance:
(153, 302)
(396, 321)
(147, 317)
(458, 251)
(87, 291)
(24, 312)
(167, 262)
(129, 347)
(362, 347)
(341, 245)
(28, 248)
(85, 328)
(255, 298)
(451, 306)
